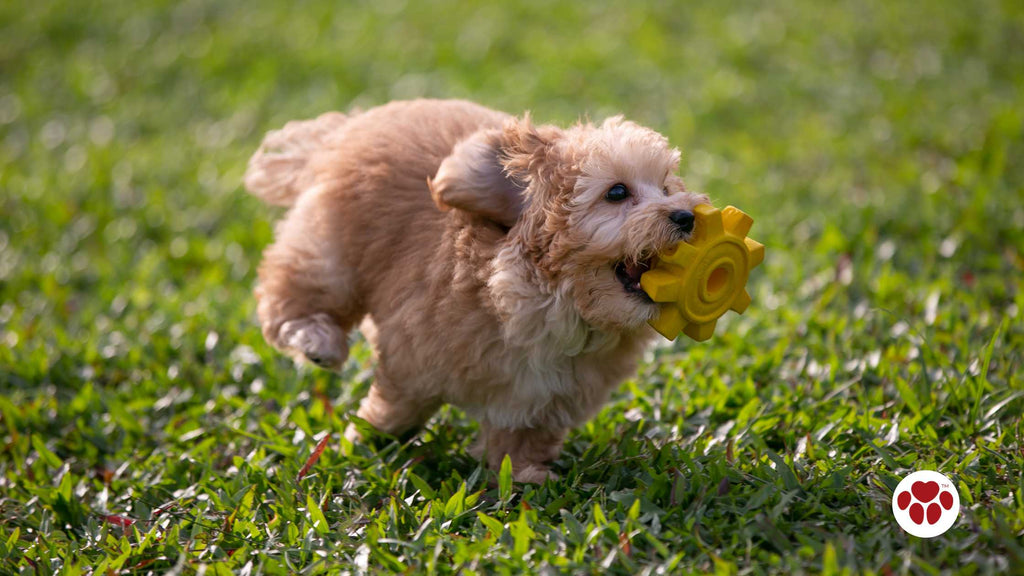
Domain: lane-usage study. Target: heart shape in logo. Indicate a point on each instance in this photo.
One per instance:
(925, 491)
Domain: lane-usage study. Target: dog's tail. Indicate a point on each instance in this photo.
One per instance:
(278, 171)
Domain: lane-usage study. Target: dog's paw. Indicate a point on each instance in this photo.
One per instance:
(317, 339)
(369, 437)
(353, 435)
(534, 474)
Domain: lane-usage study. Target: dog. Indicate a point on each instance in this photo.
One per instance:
(492, 263)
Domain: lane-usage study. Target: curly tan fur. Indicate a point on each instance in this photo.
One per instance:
(478, 251)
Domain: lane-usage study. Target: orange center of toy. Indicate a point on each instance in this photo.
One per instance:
(718, 279)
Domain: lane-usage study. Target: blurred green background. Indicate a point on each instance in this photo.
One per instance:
(878, 145)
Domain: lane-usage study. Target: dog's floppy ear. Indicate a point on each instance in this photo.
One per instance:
(528, 150)
(487, 173)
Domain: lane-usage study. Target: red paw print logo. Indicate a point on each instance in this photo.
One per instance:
(925, 504)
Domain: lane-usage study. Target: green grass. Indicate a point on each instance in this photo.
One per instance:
(878, 145)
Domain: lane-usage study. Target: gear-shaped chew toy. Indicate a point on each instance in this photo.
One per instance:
(699, 280)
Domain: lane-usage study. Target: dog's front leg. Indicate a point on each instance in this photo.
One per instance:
(529, 449)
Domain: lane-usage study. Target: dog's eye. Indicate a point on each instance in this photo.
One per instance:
(617, 193)
(666, 190)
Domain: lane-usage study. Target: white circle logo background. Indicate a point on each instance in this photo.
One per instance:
(918, 486)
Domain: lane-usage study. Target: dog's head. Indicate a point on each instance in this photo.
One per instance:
(587, 209)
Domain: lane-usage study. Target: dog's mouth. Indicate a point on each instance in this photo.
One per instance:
(628, 272)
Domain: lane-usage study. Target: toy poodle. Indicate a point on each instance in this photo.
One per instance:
(491, 263)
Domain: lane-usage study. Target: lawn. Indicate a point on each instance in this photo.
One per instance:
(146, 427)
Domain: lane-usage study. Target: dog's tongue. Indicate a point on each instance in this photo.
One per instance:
(637, 269)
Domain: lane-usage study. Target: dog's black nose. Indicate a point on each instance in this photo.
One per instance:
(683, 219)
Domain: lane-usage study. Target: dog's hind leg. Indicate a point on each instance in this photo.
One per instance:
(307, 301)
(391, 410)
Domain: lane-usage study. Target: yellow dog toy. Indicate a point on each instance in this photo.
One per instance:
(700, 280)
